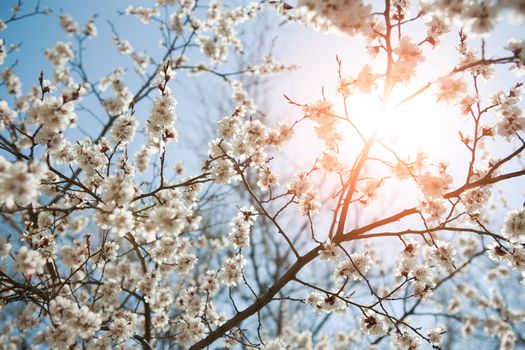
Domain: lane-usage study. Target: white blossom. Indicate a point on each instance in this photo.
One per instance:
(326, 303)
(232, 270)
(60, 54)
(444, 254)
(68, 24)
(514, 225)
(403, 340)
(29, 261)
(241, 224)
(353, 268)
(123, 130)
(373, 325)
(7, 115)
(19, 183)
(121, 220)
(329, 251)
(90, 30)
(347, 17)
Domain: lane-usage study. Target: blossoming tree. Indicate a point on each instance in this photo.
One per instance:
(106, 243)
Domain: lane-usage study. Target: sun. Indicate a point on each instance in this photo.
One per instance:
(408, 128)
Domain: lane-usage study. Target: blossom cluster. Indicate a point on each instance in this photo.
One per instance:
(109, 244)
(20, 183)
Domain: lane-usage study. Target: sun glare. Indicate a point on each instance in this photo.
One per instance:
(406, 128)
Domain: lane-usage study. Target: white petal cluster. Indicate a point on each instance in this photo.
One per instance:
(20, 183)
(514, 226)
(123, 130)
(353, 268)
(217, 32)
(149, 284)
(190, 330)
(241, 224)
(73, 255)
(74, 319)
(435, 185)
(124, 47)
(68, 24)
(330, 162)
(60, 54)
(327, 127)
(122, 221)
(326, 303)
(162, 118)
(209, 283)
(433, 210)
(409, 56)
(469, 245)
(366, 80)
(232, 270)
(478, 18)
(26, 320)
(309, 203)
(275, 344)
(244, 103)
(244, 141)
(5, 247)
(299, 184)
(117, 190)
(403, 341)
(470, 323)
(475, 199)
(29, 261)
(267, 179)
(303, 340)
(328, 251)
(3, 51)
(90, 30)
(514, 253)
(517, 47)
(78, 223)
(451, 89)
(144, 14)
(511, 115)
(223, 171)
(55, 116)
(7, 115)
(141, 61)
(408, 260)
(122, 328)
(444, 253)
(169, 220)
(435, 335)
(120, 102)
(373, 325)
(89, 157)
(190, 302)
(12, 82)
(142, 159)
(470, 56)
(437, 26)
(422, 282)
(309, 200)
(347, 16)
